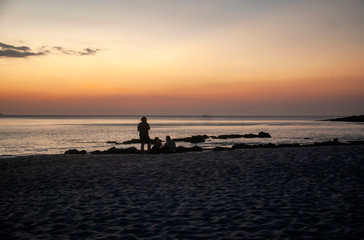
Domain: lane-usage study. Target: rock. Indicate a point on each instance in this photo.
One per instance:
(264, 135)
(135, 141)
(193, 139)
(132, 141)
(335, 142)
(250, 135)
(355, 118)
(181, 149)
(113, 150)
(113, 142)
(199, 138)
(269, 145)
(196, 149)
(131, 150)
(230, 136)
(356, 142)
(75, 151)
(240, 146)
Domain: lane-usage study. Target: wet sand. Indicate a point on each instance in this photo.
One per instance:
(295, 193)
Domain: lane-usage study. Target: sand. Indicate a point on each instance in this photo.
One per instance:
(294, 193)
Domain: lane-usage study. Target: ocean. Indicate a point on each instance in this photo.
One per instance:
(34, 135)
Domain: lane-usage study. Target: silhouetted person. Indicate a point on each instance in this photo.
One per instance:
(169, 146)
(157, 146)
(143, 128)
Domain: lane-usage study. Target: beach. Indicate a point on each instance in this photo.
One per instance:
(286, 193)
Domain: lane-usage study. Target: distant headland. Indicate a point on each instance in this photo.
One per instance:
(355, 118)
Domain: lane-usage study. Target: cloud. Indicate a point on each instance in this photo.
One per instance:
(86, 51)
(18, 52)
(89, 51)
(11, 51)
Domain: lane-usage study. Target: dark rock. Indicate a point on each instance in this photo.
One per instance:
(230, 136)
(356, 142)
(264, 135)
(355, 118)
(135, 141)
(132, 141)
(193, 139)
(197, 139)
(113, 142)
(250, 135)
(181, 149)
(240, 146)
(113, 150)
(131, 150)
(75, 151)
(196, 149)
(269, 145)
(335, 142)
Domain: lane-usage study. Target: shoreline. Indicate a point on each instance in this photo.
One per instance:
(215, 149)
(196, 148)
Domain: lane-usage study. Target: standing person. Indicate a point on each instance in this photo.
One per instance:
(143, 128)
(169, 146)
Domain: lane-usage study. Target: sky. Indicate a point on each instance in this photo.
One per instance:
(182, 57)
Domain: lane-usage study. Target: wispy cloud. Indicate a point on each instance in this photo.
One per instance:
(86, 51)
(11, 51)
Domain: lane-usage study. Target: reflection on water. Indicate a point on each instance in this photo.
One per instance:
(55, 134)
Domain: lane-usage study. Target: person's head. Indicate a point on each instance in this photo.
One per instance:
(168, 138)
(143, 119)
(156, 138)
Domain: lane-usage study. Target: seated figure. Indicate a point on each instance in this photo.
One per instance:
(157, 146)
(169, 146)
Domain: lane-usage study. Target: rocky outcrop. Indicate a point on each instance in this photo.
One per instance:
(230, 136)
(114, 150)
(202, 138)
(264, 135)
(193, 139)
(113, 142)
(135, 141)
(355, 118)
(132, 141)
(75, 151)
(329, 143)
(250, 135)
(181, 149)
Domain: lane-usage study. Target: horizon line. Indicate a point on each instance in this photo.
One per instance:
(165, 115)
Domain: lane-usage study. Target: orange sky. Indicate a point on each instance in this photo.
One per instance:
(185, 57)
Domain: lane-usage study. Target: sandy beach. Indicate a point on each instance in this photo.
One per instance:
(294, 193)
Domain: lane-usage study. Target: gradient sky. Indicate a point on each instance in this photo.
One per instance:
(216, 57)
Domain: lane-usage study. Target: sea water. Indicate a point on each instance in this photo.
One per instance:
(28, 135)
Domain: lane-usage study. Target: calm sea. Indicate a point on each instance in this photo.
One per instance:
(28, 135)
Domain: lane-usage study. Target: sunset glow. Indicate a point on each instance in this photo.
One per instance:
(182, 57)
